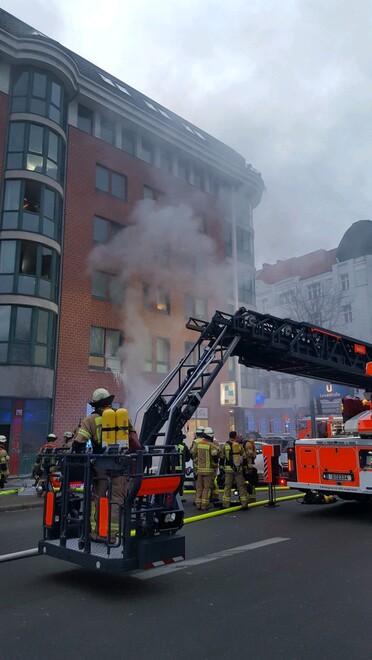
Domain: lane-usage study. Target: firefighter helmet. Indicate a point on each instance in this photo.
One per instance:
(199, 431)
(208, 433)
(2, 439)
(51, 437)
(68, 435)
(101, 397)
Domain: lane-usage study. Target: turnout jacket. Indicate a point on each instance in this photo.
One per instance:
(206, 455)
(91, 429)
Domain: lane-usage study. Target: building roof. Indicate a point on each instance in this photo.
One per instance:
(306, 266)
(356, 241)
(19, 29)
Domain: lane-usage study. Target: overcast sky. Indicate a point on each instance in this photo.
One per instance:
(287, 83)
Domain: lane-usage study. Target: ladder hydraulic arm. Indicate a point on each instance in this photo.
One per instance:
(260, 341)
(294, 347)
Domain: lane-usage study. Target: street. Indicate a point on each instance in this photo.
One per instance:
(285, 582)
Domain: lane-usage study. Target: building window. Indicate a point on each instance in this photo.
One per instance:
(106, 286)
(246, 290)
(193, 357)
(147, 355)
(35, 148)
(128, 141)
(244, 244)
(162, 355)
(213, 185)
(286, 297)
(314, 290)
(347, 313)
(26, 336)
(360, 276)
(244, 377)
(345, 285)
(147, 151)
(113, 183)
(156, 299)
(201, 221)
(183, 169)
(103, 348)
(285, 389)
(85, 119)
(198, 178)
(107, 130)
(166, 161)
(104, 230)
(32, 206)
(195, 307)
(149, 193)
(28, 268)
(227, 228)
(39, 93)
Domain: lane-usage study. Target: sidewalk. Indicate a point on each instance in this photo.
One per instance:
(19, 494)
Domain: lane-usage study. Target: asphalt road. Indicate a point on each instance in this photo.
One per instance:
(288, 582)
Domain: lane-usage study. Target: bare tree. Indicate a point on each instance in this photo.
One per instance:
(318, 303)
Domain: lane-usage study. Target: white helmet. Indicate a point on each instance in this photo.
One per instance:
(101, 397)
(208, 432)
(2, 439)
(199, 431)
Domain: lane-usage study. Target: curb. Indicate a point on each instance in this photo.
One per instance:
(21, 506)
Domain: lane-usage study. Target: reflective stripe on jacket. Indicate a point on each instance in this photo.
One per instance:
(204, 452)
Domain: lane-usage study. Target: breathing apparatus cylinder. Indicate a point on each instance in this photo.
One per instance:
(109, 426)
(122, 425)
(115, 427)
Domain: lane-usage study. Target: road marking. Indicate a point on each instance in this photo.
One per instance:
(172, 568)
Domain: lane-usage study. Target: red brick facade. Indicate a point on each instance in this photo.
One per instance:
(75, 382)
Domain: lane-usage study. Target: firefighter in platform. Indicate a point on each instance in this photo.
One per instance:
(45, 461)
(91, 430)
(234, 461)
(68, 437)
(206, 455)
(4, 462)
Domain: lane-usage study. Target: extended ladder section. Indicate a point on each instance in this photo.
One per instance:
(178, 396)
(291, 347)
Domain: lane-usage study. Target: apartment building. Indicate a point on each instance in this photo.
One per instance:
(86, 164)
(330, 288)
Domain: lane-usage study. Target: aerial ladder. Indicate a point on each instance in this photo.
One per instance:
(152, 516)
(340, 465)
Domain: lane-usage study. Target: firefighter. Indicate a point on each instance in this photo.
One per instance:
(215, 495)
(250, 472)
(184, 455)
(234, 460)
(4, 462)
(91, 430)
(67, 440)
(45, 463)
(206, 455)
(199, 431)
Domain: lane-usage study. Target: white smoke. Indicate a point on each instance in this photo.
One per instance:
(161, 247)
